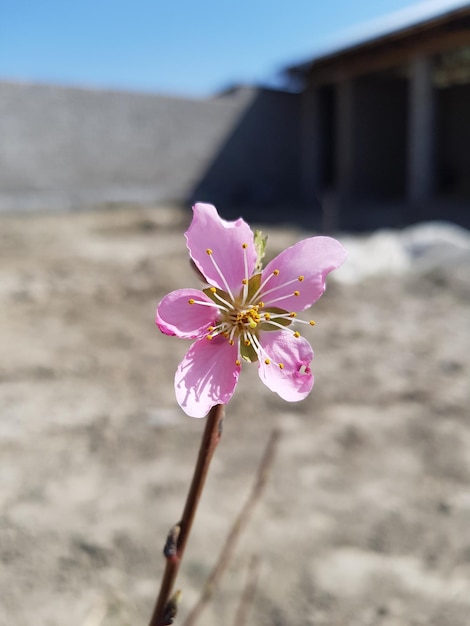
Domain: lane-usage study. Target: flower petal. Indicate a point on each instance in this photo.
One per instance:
(206, 376)
(302, 269)
(176, 316)
(208, 231)
(294, 381)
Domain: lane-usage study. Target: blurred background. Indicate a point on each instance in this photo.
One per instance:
(344, 118)
(354, 116)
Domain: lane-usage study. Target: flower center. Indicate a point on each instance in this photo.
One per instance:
(250, 318)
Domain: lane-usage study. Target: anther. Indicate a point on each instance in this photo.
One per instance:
(210, 329)
(267, 316)
(276, 272)
(212, 289)
(237, 362)
(244, 281)
(281, 365)
(293, 314)
(267, 361)
(296, 334)
(312, 323)
(244, 245)
(191, 301)
(231, 342)
(296, 293)
(301, 278)
(209, 337)
(247, 342)
(209, 251)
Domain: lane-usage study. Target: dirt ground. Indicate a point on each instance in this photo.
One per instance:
(365, 519)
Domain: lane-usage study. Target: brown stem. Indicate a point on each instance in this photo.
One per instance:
(165, 606)
(248, 594)
(239, 524)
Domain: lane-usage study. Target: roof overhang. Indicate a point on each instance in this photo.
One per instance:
(442, 33)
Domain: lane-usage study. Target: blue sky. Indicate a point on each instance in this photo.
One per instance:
(182, 47)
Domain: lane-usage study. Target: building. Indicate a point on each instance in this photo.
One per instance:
(386, 124)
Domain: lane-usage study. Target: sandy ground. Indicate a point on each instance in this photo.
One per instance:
(366, 517)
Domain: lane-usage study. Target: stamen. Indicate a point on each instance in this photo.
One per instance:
(227, 305)
(280, 326)
(277, 287)
(219, 272)
(263, 285)
(274, 300)
(214, 305)
(220, 329)
(245, 280)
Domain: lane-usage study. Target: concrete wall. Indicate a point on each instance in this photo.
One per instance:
(65, 148)
(259, 162)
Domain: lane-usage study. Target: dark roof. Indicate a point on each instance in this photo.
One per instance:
(453, 22)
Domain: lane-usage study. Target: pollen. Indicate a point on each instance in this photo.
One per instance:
(191, 301)
(276, 272)
(301, 278)
(296, 293)
(209, 251)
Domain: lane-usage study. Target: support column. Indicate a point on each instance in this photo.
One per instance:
(421, 131)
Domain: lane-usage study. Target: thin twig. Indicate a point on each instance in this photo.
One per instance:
(246, 599)
(236, 530)
(165, 607)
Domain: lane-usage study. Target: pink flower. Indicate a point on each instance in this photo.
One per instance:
(247, 314)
